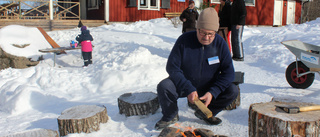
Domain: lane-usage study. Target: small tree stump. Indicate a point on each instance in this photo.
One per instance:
(36, 133)
(83, 118)
(138, 103)
(265, 120)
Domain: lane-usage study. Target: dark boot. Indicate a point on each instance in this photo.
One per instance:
(162, 124)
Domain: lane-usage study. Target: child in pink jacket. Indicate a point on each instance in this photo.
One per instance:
(85, 39)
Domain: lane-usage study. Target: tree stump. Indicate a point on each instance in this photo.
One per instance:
(83, 118)
(265, 120)
(35, 133)
(138, 103)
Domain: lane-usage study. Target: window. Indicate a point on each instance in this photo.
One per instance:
(149, 5)
(215, 1)
(93, 4)
(250, 2)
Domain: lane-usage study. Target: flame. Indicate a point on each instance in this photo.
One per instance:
(181, 129)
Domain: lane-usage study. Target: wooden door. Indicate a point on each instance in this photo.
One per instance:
(291, 8)
(277, 13)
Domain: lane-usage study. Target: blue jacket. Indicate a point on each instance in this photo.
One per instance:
(189, 68)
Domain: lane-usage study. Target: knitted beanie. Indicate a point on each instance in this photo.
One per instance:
(208, 19)
(83, 28)
(191, 2)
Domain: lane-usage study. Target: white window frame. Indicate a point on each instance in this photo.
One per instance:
(253, 4)
(215, 1)
(148, 6)
(247, 4)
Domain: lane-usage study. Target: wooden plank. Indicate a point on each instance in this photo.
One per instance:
(49, 39)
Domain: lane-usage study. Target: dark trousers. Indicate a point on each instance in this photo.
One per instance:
(87, 58)
(168, 96)
(236, 41)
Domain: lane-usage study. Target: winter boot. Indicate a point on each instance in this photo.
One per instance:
(162, 124)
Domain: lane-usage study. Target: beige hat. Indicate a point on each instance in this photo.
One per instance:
(208, 19)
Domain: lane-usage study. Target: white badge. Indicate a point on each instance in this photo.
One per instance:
(213, 60)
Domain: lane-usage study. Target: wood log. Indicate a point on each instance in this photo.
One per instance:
(83, 118)
(235, 103)
(265, 120)
(141, 103)
(176, 132)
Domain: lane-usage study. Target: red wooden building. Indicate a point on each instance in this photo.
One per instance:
(259, 12)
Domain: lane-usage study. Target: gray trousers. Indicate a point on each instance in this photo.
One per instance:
(236, 41)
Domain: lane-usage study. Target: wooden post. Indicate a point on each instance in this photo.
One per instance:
(265, 120)
(84, 118)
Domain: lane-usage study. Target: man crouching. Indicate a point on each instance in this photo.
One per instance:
(199, 65)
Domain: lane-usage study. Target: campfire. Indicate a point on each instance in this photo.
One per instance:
(178, 131)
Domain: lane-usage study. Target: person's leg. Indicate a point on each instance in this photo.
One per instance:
(90, 57)
(224, 99)
(240, 42)
(236, 42)
(85, 58)
(168, 96)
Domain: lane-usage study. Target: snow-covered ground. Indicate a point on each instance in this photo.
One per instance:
(132, 58)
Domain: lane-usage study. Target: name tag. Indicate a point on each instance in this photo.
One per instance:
(213, 60)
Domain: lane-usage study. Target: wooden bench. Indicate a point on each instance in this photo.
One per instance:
(174, 17)
(172, 14)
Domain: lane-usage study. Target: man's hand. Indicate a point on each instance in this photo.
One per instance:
(184, 19)
(207, 98)
(193, 95)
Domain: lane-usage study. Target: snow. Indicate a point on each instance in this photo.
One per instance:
(130, 59)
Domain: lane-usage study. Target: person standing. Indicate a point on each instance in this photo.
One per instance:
(224, 16)
(85, 39)
(238, 19)
(189, 17)
(199, 66)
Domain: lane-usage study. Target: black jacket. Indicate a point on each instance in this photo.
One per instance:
(238, 12)
(85, 35)
(225, 15)
(191, 16)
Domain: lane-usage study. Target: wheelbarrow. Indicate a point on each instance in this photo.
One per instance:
(300, 73)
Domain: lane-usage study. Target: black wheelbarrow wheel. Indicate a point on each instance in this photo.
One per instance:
(302, 82)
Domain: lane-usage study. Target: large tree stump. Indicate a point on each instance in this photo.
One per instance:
(265, 120)
(83, 118)
(138, 103)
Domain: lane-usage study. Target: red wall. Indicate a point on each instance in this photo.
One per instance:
(260, 14)
(119, 11)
